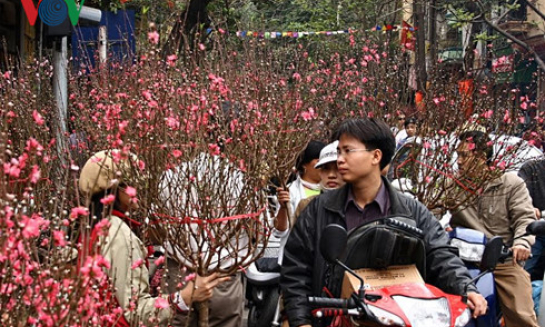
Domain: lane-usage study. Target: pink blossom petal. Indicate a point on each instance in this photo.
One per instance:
(78, 211)
(161, 303)
(160, 260)
(190, 277)
(137, 263)
(109, 199)
(131, 191)
(38, 118)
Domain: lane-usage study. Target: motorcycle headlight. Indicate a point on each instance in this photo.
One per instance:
(425, 312)
(386, 318)
(470, 252)
(463, 319)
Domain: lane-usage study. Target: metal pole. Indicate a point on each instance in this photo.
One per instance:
(102, 44)
(60, 90)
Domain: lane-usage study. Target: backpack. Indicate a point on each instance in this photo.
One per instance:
(379, 244)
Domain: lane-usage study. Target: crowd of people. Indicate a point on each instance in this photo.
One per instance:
(341, 182)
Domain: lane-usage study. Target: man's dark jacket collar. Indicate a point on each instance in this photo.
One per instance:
(337, 200)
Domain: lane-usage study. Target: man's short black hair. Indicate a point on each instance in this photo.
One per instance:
(410, 121)
(374, 133)
(481, 141)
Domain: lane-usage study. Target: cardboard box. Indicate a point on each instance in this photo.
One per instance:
(379, 278)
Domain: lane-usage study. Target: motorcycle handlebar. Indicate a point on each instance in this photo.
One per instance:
(327, 302)
(330, 312)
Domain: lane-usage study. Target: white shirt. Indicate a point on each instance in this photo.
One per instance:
(400, 136)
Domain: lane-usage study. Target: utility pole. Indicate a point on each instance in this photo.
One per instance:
(420, 26)
(60, 90)
(432, 35)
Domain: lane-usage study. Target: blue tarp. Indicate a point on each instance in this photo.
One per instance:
(121, 39)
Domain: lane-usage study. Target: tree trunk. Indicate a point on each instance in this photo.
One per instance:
(186, 27)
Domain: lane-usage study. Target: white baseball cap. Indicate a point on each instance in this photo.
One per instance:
(328, 154)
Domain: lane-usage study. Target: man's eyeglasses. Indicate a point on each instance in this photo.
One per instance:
(345, 152)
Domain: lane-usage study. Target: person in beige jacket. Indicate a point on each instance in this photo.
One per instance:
(102, 183)
(502, 207)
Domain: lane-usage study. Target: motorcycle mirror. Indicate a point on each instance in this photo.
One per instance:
(536, 228)
(333, 242)
(492, 253)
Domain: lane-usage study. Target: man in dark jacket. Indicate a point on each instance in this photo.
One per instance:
(533, 174)
(365, 147)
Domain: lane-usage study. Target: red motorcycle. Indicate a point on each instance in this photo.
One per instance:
(413, 304)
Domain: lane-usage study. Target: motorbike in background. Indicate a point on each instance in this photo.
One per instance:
(472, 246)
(263, 287)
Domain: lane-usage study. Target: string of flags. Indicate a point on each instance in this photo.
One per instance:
(290, 34)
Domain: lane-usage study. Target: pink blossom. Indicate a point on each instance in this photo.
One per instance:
(137, 263)
(147, 95)
(78, 211)
(506, 117)
(12, 170)
(242, 165)
(109, 199)
(190, 277)
(160, 260)
(161, 303)
(35, 174)
(32, 226)
(38, 118)
(306, 115)
(202, 47)
(102, 226)
(176, 153)
(153, 37)
(32, 144)
(131, 191)
(214, 149)
(59, 238)
(524, 105)
(488, 114)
